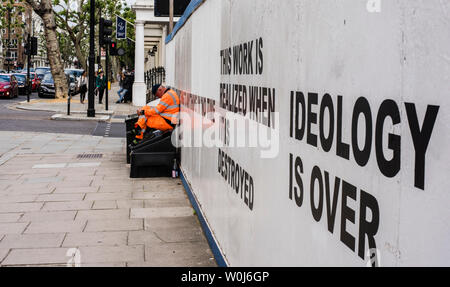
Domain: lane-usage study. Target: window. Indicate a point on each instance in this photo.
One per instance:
(14, 43)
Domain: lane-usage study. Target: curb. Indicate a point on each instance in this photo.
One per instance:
(61, 117)
(59, 111)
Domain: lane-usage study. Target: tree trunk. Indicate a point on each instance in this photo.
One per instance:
(80, 56)
(45, 10)
(54, 55)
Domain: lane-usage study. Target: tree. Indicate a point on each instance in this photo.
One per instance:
(66, 48)
(74, 21)
(44, 9)
(73, 18)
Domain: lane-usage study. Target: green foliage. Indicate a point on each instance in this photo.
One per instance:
(75, 22)
(66, 47)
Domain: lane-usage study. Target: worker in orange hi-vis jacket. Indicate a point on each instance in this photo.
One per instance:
(164, 116)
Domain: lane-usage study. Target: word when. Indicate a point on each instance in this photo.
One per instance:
(258, 102)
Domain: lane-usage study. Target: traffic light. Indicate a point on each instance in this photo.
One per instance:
(34, 46)
(113, 49)
(105, 31)
(27, 49)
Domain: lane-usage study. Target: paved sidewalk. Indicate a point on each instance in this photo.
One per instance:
(55, 206)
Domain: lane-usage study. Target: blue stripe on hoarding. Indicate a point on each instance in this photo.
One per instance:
(211, 241)
(187, 13)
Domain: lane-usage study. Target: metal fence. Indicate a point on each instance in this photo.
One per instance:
(153, 77)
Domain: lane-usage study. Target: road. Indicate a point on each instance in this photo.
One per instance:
(39, 121)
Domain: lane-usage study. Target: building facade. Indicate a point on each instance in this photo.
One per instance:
(24, 22)
(13, 34)
(151, 33)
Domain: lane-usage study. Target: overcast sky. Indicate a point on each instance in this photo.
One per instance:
(130, 2)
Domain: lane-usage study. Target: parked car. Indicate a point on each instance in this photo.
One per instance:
(8, 86)
(22, 83)
(41, 71)
(47, 87)
(75, 72)
(35, 81)
(24, 70)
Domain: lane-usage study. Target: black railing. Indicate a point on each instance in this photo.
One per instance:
(153, 77)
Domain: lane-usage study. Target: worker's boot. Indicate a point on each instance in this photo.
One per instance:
(139, 135)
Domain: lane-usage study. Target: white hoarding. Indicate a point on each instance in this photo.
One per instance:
(317, 132)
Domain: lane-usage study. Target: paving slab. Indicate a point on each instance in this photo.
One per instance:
(20, 207)
(96, 239)
(3, 253)
(159, 195)
(124, 203)
(56, 226)
(186, 254)
(161, 212)
(104, 254)
(144, 237)
(48, 216)
(12, 228)
(104, 204)
(36, 256)
(60, 197)
(26, 189)
(18, 198)
(71, 183)
(70, 205)
(84, 189)
(178, 229)
(167, 202)
(114, 225)
(103, 214)
(108, 196)
(9, 217)
(32, 240)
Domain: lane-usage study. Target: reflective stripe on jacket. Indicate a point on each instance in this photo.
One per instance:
(168, 107)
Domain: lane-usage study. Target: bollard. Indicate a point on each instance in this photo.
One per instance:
(68, 104)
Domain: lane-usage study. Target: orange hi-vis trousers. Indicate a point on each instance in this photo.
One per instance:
(154, 122)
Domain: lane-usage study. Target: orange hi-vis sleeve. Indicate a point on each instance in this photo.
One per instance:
(168, 107)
